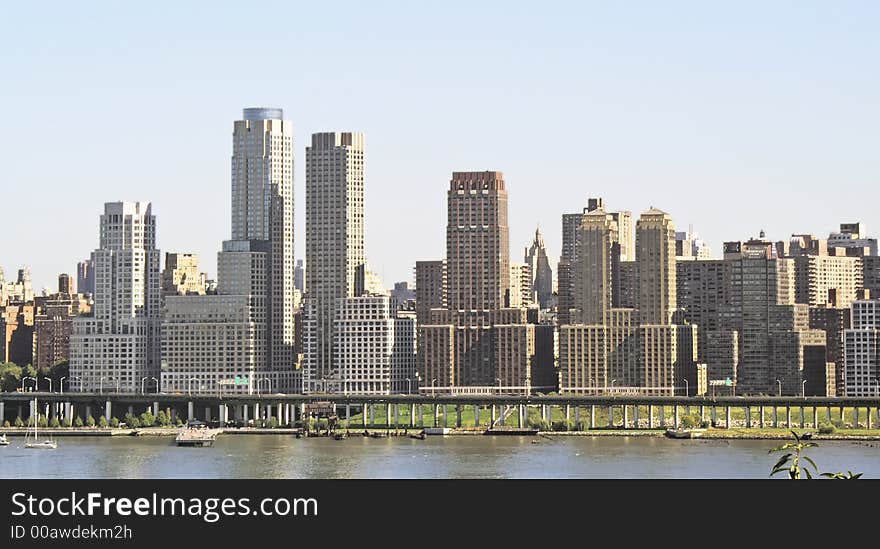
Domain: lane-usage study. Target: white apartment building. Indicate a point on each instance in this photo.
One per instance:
(117, 347)
(334, 248)
(211, 344)
(862, 350)
(375, 351)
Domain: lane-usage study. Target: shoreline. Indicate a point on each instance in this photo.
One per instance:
(713, 434)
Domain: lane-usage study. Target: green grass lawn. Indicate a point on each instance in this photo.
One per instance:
(557, 415)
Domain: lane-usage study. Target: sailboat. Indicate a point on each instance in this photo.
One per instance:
(37, 443)
(3, 441)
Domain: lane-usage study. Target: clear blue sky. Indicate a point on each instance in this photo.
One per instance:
(733, 118)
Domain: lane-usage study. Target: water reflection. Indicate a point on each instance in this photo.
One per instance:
(271, 456)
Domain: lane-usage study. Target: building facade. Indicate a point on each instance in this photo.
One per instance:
(334, 247)
(459, 345)
(85, 277)
(118, 344)
(250, 314)
(609, 348)
(181, 275)
(862, 350)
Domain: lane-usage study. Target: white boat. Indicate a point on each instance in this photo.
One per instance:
(684, 433)
(46, 443)
(3, 441)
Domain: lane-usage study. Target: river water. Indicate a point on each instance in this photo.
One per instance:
(283, 456)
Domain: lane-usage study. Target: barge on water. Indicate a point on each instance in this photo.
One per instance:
(196, 433)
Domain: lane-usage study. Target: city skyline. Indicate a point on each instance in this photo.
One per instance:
(634, 105)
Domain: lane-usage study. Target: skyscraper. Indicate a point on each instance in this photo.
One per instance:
(571, 223)
(245, 331)
(334, 246)
(540, 271)
(639, 349)
(477, 340)
(119, 343)
(598, 254)
(655, 252)
(477, 242)
(430, 288)
(85, 277)
(262, 210)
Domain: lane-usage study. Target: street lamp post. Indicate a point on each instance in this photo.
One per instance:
(143, 379)
(780, 386)
(432, 387)
(268, 382)
(804, 388)
(687, 387)
(418, 383)
(498, 381)
(61, 385)
(101, 385)
(109, 378)
(23, 380)
(408, 386)
(49, 379)
(612, 386)
(70, 380)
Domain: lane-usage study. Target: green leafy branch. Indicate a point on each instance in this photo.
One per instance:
(791, 462)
